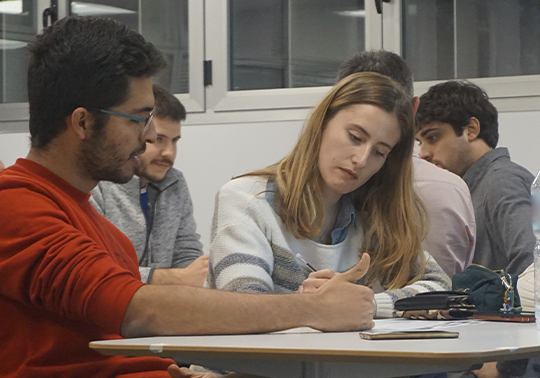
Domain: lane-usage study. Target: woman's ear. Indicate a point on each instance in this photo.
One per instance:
(472, 129)
(80, 123)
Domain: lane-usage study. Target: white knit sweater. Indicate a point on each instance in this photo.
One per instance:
(252, 251)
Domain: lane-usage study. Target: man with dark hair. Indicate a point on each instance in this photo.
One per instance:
(72, 277)
(154, 210)
(383, 62)
(458, 131)
(451, 235)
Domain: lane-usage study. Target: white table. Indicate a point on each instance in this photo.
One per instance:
(343, 355)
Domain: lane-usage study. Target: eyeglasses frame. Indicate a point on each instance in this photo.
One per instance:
(145, 120)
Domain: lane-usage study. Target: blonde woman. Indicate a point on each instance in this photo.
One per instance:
(344, 190)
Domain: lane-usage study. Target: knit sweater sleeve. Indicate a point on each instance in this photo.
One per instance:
(241, 256)
(434, 279)
(67, 260)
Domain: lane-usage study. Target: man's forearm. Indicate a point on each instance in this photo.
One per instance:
(180, 310)
(183, 310)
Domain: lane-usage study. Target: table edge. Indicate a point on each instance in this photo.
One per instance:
(358, 356)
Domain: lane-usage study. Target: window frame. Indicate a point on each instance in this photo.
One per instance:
(214, 104)
(18, 111)
(11, 114)
(220, 99)
(194, 100)
(507, 93)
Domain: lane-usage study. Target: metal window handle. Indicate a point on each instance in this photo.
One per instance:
(51, 13)
(378, 5)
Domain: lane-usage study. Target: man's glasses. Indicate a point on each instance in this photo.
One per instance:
(146, 121)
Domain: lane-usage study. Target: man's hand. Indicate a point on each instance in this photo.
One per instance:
(178, 372)
(193, 275)
(489, 370)
(183, 372)
(341, 305)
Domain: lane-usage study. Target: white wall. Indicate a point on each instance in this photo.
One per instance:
(210, 155)
(520, 132)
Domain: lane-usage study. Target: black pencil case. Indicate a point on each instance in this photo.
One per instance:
(439, 300)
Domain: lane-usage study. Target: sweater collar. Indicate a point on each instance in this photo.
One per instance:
(134, 185)
(170, 178)
(55, 180)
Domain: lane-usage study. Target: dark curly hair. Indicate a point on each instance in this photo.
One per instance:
(83, 62)
(455, 103)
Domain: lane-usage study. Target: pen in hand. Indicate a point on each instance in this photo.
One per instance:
(301, 258)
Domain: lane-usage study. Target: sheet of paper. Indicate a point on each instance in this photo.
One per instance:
(297, 330)
(396, 324)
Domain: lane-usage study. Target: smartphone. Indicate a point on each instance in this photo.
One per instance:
(500, 316)
(396, 335)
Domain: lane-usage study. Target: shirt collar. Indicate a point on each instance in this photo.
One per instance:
(345, 218)
(477, 171)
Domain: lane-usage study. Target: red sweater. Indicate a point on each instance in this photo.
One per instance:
(68, 276)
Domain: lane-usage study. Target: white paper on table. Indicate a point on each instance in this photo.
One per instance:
(401, 324)
(297, 330)
(396, 324)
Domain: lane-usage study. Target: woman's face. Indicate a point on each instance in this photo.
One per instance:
(355, 145)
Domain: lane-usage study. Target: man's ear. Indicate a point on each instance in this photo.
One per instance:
(472, 129)
(80, 122)
(415, 105)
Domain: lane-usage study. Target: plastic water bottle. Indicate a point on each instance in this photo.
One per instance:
(535, 201)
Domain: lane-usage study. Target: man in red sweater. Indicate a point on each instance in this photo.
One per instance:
(70, 276)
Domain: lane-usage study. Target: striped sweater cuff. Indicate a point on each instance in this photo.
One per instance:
(385, 306)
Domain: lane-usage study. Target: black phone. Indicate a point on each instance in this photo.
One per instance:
(503, 316)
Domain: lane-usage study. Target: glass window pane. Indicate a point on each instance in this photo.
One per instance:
(446, 39)
(292, 43)
(17, 28)
(162, 22)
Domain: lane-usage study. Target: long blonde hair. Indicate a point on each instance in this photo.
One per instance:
(394, 216)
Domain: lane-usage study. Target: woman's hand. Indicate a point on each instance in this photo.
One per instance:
(317, 279)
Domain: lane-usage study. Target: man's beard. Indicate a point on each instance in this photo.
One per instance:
(101, 160)
(142, 171)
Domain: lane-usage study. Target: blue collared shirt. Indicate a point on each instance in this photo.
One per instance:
(345, 217)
